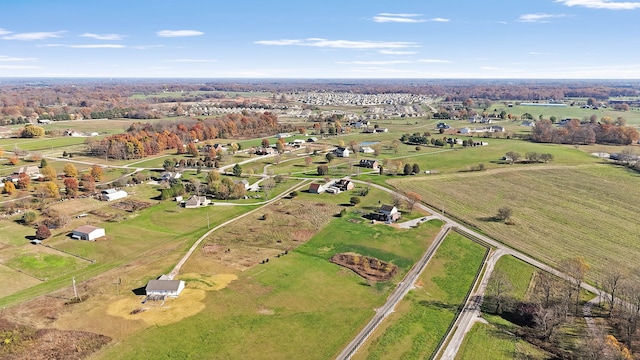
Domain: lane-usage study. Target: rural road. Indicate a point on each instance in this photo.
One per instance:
(395, 297)
(466, 319)
(471, 311)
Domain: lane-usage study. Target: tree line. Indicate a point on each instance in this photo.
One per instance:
(145, 139)
(574, 132)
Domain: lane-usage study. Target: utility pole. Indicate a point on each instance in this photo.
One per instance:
(75, 291)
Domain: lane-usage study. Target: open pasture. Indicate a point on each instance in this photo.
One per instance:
(309, 307)
(558, 213)
(414, 329)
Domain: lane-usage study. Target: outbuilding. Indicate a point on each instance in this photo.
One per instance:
(88, 232)
(163, 287)
(113, 194)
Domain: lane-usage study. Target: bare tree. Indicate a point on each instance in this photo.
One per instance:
(611, 284)
(412, 199)
(498, 287)
(576, 268)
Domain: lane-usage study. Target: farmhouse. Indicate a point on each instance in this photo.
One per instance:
(196, 201)
(344, 184)
(316, 188)
(386, 213)
(87, 232)
(370, 164)
(341, 152)
(32, 170)
(163, 287)
(113, 194)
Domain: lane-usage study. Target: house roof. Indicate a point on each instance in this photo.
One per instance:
(315, 186)
(86, 229)
(163, 285)
(387, 208)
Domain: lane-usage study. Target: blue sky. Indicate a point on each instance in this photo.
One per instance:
(552, 39)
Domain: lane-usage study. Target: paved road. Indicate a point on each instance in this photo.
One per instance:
(395, 297)
(471, 312)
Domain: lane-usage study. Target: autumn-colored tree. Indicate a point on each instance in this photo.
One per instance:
(96, 172)
(9, 187)
(14, 160)
(42, 232)
(49, 173)
(23, 181)
(307, 161)
(1, 151)
(31, 131)
(70, 170)
(71, 185)
(412, 199)
(193, 150)
(88, 183)
(265, 143)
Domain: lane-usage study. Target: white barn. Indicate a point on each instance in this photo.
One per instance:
(113, 194)
(163, 287)
(88, 232)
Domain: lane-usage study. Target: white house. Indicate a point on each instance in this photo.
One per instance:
(465, 130)
(367, 150)
(113, 194)
(196, 201)
(87, 232)
(163, 287)
(341, 152)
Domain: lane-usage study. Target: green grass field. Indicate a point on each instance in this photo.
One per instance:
(486, 341)
(414, 330)
(558, 213)
(296, 306)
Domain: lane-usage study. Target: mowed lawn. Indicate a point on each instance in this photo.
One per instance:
(415, 328)
(299, 306)
(558, 212)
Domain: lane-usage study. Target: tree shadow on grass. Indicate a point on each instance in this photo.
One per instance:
(438, 305)
(489, 219)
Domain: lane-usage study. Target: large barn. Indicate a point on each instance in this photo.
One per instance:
(88, 232)
(113, 194)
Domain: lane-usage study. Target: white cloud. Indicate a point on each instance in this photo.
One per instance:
(340, 44)
(396, 52)
(191, 60)
(8, 58)
(103, 36)
(538, 18)
(535, 53)
(389, 62)
(17, 67)
(435, 61)
(179, 33)
(145, 47)
(398, 19)
(4, 32)
(88, 46)
(492, 68)
(602, 4)
(33, 36)
(404, 18)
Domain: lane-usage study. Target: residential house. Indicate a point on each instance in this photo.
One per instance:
(31, 170)
(244, 183)
(387, 213)
(496, 128)
(529, 123)
(341, 152)
(344, 184)
(312, 139)
(465, 130)
(113, 194)
(282, 135)
(316, 188)
(87, 232)
(196, 201)
(370, 164)
(164, 287)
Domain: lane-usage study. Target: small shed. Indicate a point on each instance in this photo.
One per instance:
(163, 287)
(316, 188)
(88, 232)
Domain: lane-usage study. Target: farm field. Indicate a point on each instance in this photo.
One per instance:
(294, 298)
(422, 318)
(558, 212)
